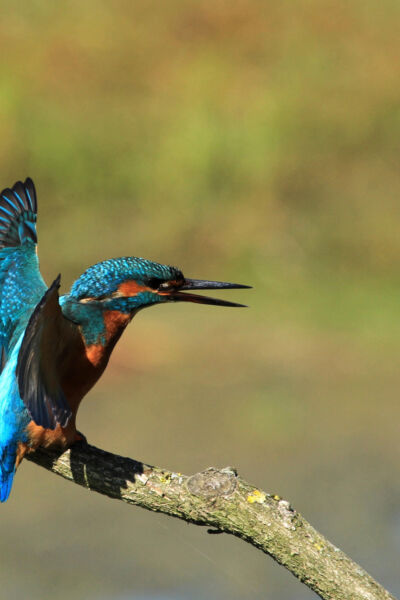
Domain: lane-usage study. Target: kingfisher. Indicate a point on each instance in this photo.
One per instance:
(54, 348)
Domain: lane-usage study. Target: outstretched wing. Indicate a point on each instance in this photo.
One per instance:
(21, 284)
(18, 210)
(40, 358)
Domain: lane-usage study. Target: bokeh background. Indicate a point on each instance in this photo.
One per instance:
(252, 141)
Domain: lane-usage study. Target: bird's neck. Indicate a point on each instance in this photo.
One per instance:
(114, 323)
(100, 328)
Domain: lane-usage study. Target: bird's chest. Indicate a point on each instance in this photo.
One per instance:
(85, 364)
(82, 369)
(82, 364)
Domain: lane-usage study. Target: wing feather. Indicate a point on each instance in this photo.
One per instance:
(39, 361)
(21, 284)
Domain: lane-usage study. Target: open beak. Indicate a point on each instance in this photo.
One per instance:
(180, 295)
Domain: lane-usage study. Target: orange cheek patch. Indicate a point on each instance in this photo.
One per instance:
(131, 288)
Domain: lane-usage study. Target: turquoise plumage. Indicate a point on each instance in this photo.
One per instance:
(14, 418)
(53, 350)
(21, 287)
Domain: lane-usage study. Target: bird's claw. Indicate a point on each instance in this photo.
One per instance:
(79, 438)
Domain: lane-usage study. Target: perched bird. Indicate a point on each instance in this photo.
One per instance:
(53, 349)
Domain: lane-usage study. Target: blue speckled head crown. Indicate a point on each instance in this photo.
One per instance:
(103, 279)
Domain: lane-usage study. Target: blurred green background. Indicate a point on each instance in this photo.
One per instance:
(251, 141)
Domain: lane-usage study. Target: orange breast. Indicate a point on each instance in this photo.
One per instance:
(82, 367)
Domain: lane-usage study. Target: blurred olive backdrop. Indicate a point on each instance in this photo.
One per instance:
(251, 141)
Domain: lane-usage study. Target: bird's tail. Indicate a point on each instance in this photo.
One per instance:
(18, 208)
(7, 471)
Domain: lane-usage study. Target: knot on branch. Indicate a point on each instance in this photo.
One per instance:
(213, 482)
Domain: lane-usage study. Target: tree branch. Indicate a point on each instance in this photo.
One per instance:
(219, 499)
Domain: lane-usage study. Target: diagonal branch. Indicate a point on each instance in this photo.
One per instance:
(219, 499)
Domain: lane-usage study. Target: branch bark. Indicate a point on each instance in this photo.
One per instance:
(219, 499)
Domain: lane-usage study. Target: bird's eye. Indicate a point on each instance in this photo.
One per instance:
(154, 283)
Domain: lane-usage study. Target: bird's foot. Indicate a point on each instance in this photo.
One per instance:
(80, 438)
